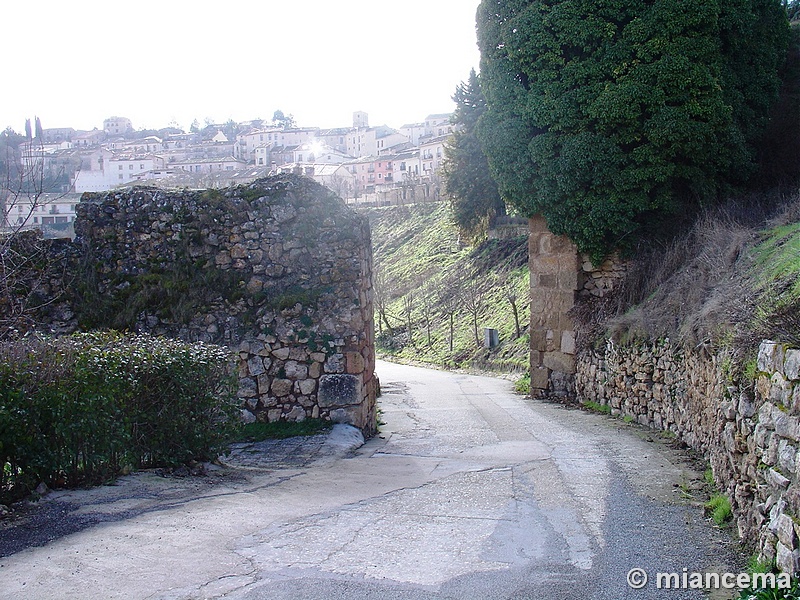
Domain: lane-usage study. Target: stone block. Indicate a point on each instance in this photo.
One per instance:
(780, 390)
(547, 280)
(339, 390)
(247, 388)
(568, 342)
(255, 366)
(770, 357)
(297, 414)
(776, 480)
(281, 387)
(786, 425)
(281, 353)
(791, 364)
(335, 364)
(346, 416)
(786, 456)
(540, 378)
(315, 370)
(295, 370)
(784, 529)
(558, 361)
(355, 363)
(747, 407)
(307, 386)
(264, 382)
(785, 558)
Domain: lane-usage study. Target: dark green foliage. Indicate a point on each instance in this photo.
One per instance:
(611, 117)
(475, 199)
(78, 409)
(174, 291)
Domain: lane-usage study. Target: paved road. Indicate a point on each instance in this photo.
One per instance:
(470, 492)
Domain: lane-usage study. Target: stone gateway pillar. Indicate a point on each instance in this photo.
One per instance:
(554, 266)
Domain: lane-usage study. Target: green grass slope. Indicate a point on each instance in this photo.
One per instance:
(426, 279)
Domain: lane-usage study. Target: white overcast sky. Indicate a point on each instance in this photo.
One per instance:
(74, 63)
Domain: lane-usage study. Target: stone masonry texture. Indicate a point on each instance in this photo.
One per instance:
(279, 270)
(749, 432)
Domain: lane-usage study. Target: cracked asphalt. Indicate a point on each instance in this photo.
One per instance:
(469, 492)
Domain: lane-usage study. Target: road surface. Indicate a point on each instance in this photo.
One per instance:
(469, 492)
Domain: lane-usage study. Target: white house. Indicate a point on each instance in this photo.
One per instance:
(431, 153)
(208, 165)
(117, 125)
(115, 169)
(248, 142)
(413, 131)
(373, 141)
(406, 166)
(438, 124)
(40, 211)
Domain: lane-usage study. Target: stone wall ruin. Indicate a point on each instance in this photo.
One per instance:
(279, 270)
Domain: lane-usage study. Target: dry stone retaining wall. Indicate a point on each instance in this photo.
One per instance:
(279, 270)
(750, 434)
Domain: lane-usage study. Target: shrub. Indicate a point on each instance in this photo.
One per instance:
(523, 384)
(77, 409)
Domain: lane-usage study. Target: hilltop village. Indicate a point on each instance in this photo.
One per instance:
(361, 163)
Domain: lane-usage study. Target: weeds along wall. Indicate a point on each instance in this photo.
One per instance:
(279, 270)
(750, 433)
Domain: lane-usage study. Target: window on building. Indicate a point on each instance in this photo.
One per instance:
(120, 167)
(130, 167)
(121, 176)
(141, 166)
(35, 219)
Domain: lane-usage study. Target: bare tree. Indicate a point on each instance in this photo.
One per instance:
(426, 308)
(383, 293)
(408, 309)
(473, 297)
(26, 265)
(510, 292)
(449, 302)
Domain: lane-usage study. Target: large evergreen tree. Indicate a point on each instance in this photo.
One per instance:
(607, 115)
(474, 196)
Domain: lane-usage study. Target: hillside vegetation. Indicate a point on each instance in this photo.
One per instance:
(427, 280)
(730, 282)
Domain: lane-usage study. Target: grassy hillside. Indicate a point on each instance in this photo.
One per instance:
(426, 278)
(730, 282)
